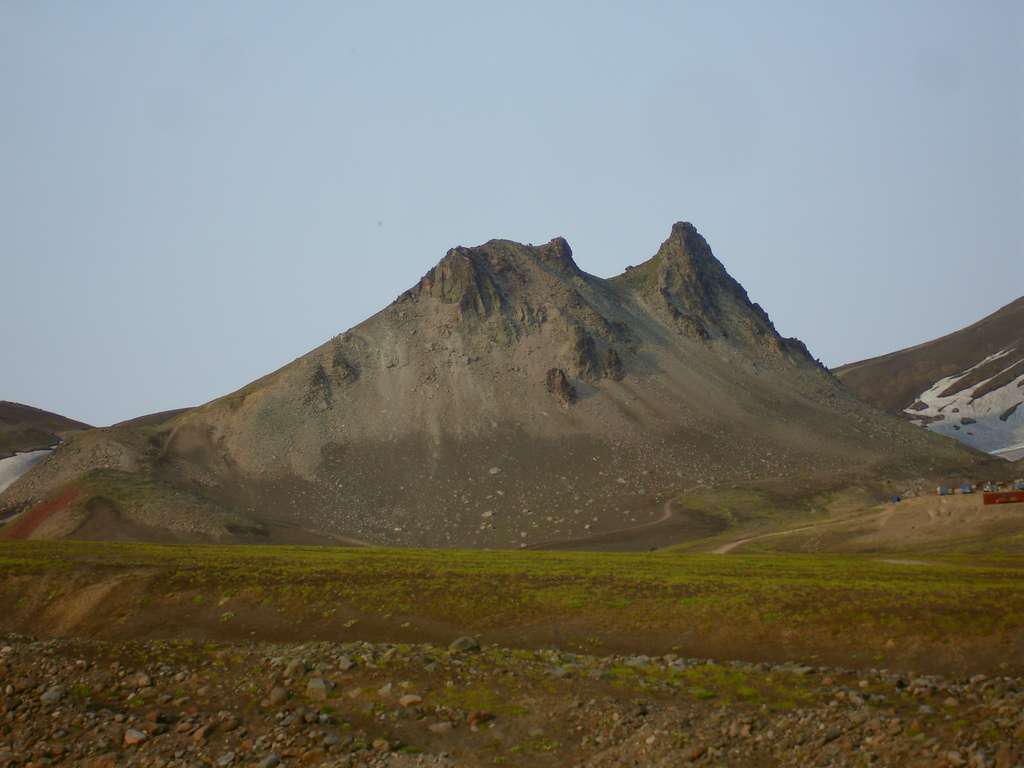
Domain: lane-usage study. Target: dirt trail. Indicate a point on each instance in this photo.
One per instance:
(619, 536)
(730, 546)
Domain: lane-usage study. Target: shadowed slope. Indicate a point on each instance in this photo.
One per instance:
(24, 428)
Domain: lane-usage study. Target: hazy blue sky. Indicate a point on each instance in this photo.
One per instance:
(192, 194)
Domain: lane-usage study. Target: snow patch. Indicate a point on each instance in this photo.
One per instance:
(976, 422)
(17, 465)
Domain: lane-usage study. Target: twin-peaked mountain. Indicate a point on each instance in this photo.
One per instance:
(507, 399)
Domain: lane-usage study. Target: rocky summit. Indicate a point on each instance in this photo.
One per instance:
(507, 399)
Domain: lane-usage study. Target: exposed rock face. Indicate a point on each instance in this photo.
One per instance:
(584, 350)
(613, 367)
(382, 434)
(558, 384)
(687, 282)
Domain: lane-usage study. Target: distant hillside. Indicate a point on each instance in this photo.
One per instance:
(507, 399)
(24, 428)
(152, 419)
(968, 385)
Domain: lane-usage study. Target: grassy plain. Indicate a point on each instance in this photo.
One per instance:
(947, 613)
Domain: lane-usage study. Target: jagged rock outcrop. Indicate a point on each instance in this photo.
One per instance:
(613, 366)
(685, 281)
(558, 384)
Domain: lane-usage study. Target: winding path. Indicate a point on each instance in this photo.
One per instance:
(730, 546)
(667, 514)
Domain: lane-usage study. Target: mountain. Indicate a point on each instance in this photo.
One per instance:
(24, 428)
(968, 385)
(507, 399)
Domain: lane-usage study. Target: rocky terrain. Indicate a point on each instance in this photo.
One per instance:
(154, 655)
(968, 385)
(507, 399)
(90, 703)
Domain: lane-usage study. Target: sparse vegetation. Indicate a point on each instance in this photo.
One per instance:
(841, 608)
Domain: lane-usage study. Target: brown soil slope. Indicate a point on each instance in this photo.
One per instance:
(508, 398)
(893, 381)
(24, 428)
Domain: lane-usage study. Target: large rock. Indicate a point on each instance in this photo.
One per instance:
(133, 737)
(317, 689)
(278, 695)
(53, 694)
(465, 644)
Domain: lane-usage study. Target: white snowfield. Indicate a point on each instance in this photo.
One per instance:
(17, 465)
(988, 432)
(1013, 453)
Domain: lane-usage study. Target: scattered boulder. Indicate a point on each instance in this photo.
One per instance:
(477, 718)
(203, 732)
(694, 753)
(465, 645)
(133, 737)
(645, 717)
(278, 696)
(295, 668)
(53, 694)
(316, 689)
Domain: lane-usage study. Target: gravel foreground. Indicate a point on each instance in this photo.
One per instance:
(162, 704)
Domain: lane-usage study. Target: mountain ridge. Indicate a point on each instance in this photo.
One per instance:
(28, 428)
(968, 385)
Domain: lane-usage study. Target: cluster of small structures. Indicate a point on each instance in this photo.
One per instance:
(992, 492)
